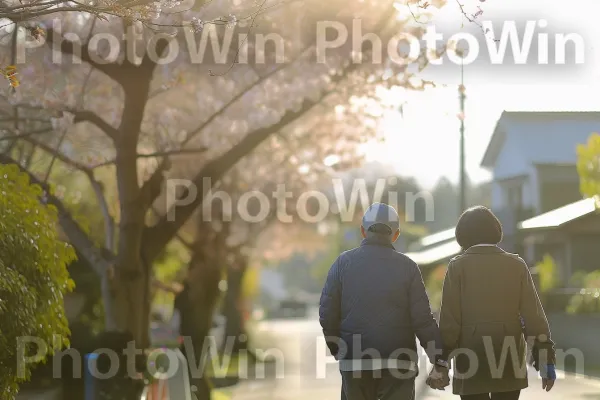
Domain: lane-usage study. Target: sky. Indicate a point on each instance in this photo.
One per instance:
(423, 141)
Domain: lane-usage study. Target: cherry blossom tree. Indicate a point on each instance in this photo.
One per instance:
(143, 122)
(263, 189)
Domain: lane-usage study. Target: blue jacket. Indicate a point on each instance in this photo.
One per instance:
(374, 298)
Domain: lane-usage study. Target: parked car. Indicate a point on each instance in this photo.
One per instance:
(289, 308)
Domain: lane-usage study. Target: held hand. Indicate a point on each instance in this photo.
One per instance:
(434, 384)
(438, 378)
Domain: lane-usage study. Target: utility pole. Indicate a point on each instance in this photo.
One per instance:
(462, 96)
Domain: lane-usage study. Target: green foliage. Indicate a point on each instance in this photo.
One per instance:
(547, 273)
(93, 315)
(33, 275)
(170, 263)
(320, 269)
(251, 283)
(168, 268)
(434, 286)
(578, 279)
(588, 301)
(76, 194)
(588, 166)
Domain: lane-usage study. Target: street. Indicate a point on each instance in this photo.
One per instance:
(305, 375)
(566, 387)
(297, 339)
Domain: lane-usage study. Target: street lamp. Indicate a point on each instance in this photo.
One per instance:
(461, 116)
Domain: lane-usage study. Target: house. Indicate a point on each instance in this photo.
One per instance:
(569, 234)
(532, 157)
(433, 240)
(435, 249)
(436, 255)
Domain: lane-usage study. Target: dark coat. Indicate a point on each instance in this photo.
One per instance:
(375, 295)
(485, 292)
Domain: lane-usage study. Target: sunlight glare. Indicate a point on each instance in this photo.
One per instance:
(331, 160)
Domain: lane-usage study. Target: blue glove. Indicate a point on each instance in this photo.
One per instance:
(548, 372)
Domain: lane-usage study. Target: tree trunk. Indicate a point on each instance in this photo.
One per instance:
(206, 284)
(131, 303)
(232, 309)
(132, 283)
(205, 275)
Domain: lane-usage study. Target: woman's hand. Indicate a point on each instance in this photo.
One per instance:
(547, 384)
(548, 374)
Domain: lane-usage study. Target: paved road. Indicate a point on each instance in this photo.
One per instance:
(305, 371)
(295, 344)
(305, 374)
(567, 388)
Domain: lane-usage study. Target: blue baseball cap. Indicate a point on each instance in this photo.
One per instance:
(380, 213)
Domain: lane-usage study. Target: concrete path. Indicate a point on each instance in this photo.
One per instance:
(304, 375)
(567, 387)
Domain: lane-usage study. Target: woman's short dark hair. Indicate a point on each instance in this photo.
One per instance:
(478, 225)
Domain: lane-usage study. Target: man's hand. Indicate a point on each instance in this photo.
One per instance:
(438, 378)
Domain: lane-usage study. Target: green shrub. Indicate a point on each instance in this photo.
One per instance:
(588, 301)
(33, 275)
(547, 273)
(435, 285)
(578, 279)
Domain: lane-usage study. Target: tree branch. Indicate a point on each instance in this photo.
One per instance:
(13, 119)
(152, 187)
(157, 154)
(186, 243)
(81, 104)
(25, 135)
(92, 117)
(109, 222)
(56, 153)
(158, 236)
(224, 108)
(114, 71)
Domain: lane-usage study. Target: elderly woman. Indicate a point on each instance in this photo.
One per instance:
(488, 295)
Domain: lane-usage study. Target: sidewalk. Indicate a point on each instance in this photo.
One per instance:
(567, 387)
(47, 394)
(299, 385)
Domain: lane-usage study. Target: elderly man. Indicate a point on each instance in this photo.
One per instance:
(372, 306)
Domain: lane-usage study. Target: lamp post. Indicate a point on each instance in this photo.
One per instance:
(462, 96)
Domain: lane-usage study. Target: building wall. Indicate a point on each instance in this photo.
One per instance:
(530, 141)
(553, 141)
(557, 194)
(558, 186)
(513, 158)
(585, 253)
(535, 198)
(498, 197)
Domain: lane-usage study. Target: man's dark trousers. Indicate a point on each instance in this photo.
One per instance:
(379, 384)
